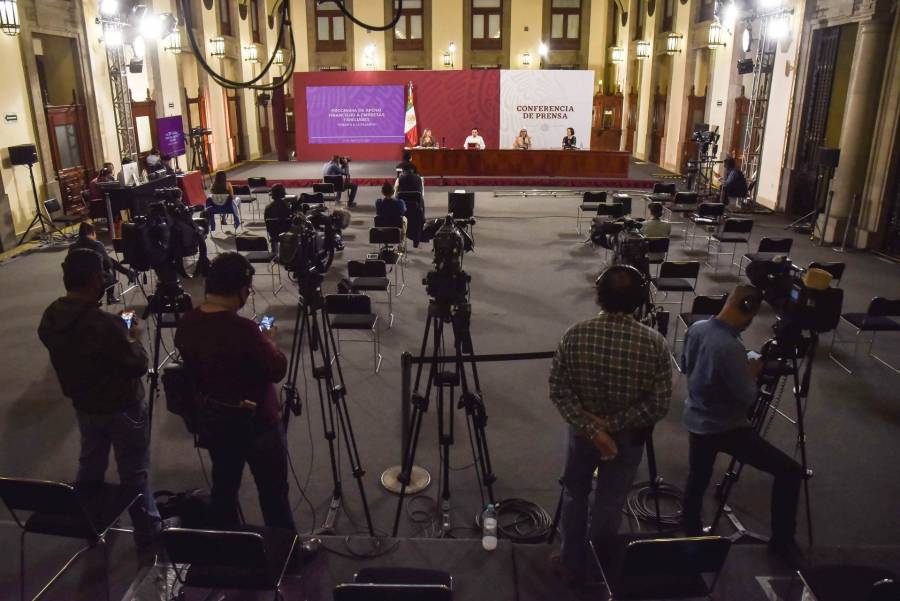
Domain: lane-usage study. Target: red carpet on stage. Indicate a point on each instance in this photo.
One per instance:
(555, 182)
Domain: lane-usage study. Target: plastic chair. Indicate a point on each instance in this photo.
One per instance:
(353, 312)
(254, 561)
(369, 275)
(877, 318)
(51, 205)
(59, 509)
(657, 251)
(768, 249)
(674, 276)
(671, 568)
(733, 232)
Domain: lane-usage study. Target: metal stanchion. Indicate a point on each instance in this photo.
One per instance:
(849, 224)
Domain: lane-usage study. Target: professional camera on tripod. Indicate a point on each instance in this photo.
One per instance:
(310, 243)
(447, 284)
(806, 306)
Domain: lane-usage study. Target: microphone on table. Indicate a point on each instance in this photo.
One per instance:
(443, 142)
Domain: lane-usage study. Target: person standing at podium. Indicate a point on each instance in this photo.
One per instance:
(474, 141)
(523, 140)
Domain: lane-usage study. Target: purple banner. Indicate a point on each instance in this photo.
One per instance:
(170, 131)
(355, 114)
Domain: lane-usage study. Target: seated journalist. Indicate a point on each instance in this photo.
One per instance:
(87, 238)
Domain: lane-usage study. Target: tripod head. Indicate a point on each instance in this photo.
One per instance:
(169, 296)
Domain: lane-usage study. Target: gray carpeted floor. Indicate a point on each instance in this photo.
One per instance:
(531, 279)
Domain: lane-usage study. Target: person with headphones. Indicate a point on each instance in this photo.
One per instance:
(722, 391)
(611, 381)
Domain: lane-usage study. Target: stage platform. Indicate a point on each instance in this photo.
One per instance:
(303, 174)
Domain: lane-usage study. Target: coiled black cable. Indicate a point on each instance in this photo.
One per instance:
(642, 500)
(521, 521)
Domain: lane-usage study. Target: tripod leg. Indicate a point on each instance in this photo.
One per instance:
(476, 414)
(654, 479)
(292, 399)
(556, 515)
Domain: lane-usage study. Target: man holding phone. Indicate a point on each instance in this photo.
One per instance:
(100, 363)
(235, 364)
(722, 390)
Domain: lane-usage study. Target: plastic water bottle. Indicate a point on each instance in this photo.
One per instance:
(489, 528)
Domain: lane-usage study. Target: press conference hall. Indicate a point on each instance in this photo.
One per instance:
(449, 300)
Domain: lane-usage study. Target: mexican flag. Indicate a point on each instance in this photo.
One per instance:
(409, 127)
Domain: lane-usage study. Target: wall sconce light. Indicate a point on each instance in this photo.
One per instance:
(616, 54)
(714, 38)
(642, 50)
(543, 50)
(173, 43)
(673, 43)
(447, 56)
(251, 54)
(217, 47)
(369, 55)
(9, 17)
(526, 59)
(279, 57)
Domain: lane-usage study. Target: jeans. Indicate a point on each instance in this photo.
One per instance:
(234, 437)
(128, 432)
(749, 448)
(614, 480)
(226, 209)
(351, 191)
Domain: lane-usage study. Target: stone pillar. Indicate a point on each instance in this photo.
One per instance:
(860, 113)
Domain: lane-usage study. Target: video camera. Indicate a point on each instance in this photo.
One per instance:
(447, 283)
(802, 299)
(303, 249)
(199, 132)
(706, 139)
(623, 237)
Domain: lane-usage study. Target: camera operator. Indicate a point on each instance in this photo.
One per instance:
(87, 238)
(235, 366)
(339, 165)
(722, 391)
(174, 219)
(611, 381)
(278, 213)
(734, 184)
(100, 362)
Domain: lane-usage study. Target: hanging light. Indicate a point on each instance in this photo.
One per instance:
(451, 48)
(616, 54)
(642, 50)
(217, 47)
(526, 59)
(251, 54)
(173, 42)
(112, 37)
(108, 8)
(9, 17)
(714, 37)
(778, 27)
(369, 55)
(673, 43)
(279, 57)
(139, 46)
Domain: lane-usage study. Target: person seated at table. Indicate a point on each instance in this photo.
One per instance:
(427, 140)
(474, 141)
(103, 176)
(153, 164)
(406, 164)
(523, 140)
(166, 163)
(655, 227)
(569, 142)
(221, 201)
(389, 207)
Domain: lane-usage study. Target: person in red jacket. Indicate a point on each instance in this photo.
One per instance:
(235, 366)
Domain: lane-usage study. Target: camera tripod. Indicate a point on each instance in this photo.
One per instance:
(458, 316)
(166, 304)
(312, 322)
(778, 363)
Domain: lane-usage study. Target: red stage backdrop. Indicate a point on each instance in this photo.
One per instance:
(450, 103)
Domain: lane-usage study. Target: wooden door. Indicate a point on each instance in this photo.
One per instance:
(657, 127)
(696, 114)
(70, 145)
(196, 113)
(631, 125)
(607, 130)
(144, 115)
(235, 126)
(262, 111)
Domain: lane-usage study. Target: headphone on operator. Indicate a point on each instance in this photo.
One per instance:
(750, 303)
(621, 300)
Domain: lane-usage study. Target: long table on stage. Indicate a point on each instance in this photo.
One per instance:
(521, 163)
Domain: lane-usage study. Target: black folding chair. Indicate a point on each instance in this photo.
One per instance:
(676, 276)
(590, 201)
(683, 204)
(252, 560)
(702, 307)
(243, 196)
(415, 215)
(734, 231)
(56, 215)
(392, 249)
(671, 568)
(58, 509)
(353, 312)
(768, 249)
(835, 268)
(877, 318)
(371, 275)
(256, 250)
(709, 216)
(845, 581)
(396, 584)
(657, 251)
(338, 183)
(326, 190)
(662, 193)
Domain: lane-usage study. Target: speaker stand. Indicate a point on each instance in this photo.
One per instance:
(46, 224)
